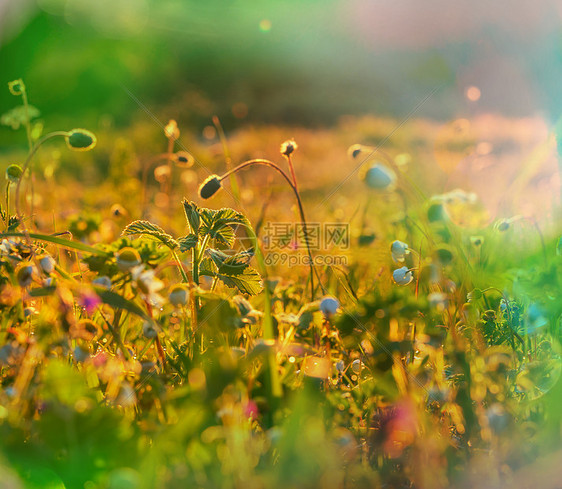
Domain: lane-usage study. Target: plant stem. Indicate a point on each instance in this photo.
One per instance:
(260, 161)
(26, 166)
(7, 215)
(227, 158)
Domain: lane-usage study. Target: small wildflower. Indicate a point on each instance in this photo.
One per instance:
(379, 177)
(340, 366)
(399, 251)
(29, 311)
(103, 281)
(80, 140)
(80, 355)
(47, 264)
(25, 275)
(210, 187)
(356, 366)
(402, 276)
(329, 306)
(171, 130)
(14, 173)
(149, 330)
(288, 147)
(148, 284)
(128, 258)
(179, 295)
(89, 301)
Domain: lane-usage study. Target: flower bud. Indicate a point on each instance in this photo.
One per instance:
(171, 130)
(25, 275)
(402, 276)
(399, 251)
(288, 147)
(128, 258)
(80, 140)
(183, 159)
(47, 264)
(149, 330)
(14, 173)
(329, 306)
(356, 366)
(379, 177)
(16, 87)
(355, 150)
(179, 295)
(210, 187)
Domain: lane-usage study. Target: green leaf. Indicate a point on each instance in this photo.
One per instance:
(187, 242)
(217, 224)
(119, 302)
(75, 245)
(248, 281)
(192, 215)
(150, 229)
(231, 264)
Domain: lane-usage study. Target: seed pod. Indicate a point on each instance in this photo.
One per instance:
(179, 295)
(329, 306)
(14, 173)
(25, 275)
(356, 366)
(210, 187)
(80, 140)
(402, 276)
(128, 258)
(149, 330)
(47, 264)
(399, 251)
(288, 147)
(379, 177)
(183, 159)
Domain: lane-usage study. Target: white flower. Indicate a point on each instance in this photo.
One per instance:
(402, 276)
(148, 284)
(399, 251)
(356, 366)
(179, 295)
(380, 177)
(47, 264)
(329, 306)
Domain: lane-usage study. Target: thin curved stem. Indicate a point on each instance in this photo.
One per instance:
(261, 161)
(26, 166)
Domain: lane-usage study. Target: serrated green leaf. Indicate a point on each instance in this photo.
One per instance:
(217, 224)
(247, 282)
(150, 229)
(231, 264)
(192, 215)
(187, 242)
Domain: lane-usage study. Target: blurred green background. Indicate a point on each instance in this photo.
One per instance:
(298, 62)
